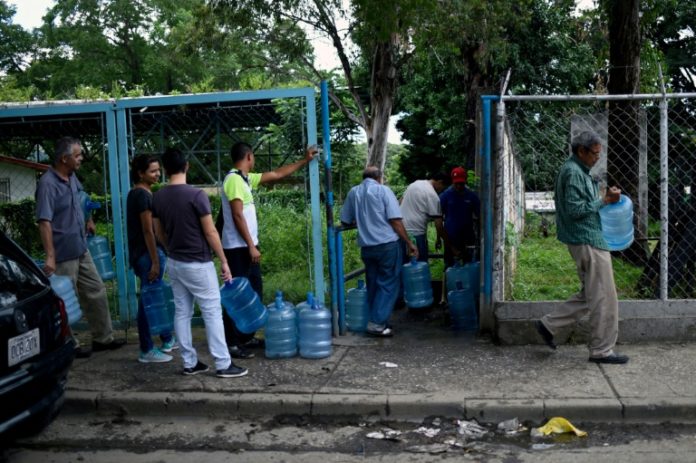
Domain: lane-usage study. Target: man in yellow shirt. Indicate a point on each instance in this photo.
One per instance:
(240, 239)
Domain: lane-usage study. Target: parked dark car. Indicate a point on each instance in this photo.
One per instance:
(36, 349)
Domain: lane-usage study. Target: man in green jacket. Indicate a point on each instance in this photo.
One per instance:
(578, 225)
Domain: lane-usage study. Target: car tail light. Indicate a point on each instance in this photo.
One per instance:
(64, 327)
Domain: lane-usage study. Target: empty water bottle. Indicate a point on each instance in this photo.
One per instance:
(462, 306)
(357, 311)
(155, 305)
(64, 288)
(281, 329)
(101, 255)
(315, 330)
(418, 290)
(617, 223)
(243, 305)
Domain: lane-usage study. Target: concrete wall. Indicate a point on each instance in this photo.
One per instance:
(639, 321)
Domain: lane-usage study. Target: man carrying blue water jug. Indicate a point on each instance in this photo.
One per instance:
(63, 233)
(184, 224)
(375, 210)
(578, 202)
(239, 233)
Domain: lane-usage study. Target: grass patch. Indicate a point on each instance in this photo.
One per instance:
(546, 271)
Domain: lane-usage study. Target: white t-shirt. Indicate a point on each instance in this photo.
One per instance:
(419, 205)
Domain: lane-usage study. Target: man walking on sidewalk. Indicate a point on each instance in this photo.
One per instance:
(183, 222)
(578, 226)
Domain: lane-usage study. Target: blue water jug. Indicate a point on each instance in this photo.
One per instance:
(468, 274)
(154, 302)
(303, 305)
(88, 205)
(63, 287)
(462, 306)
(457, 273)
(101, 254)
(357, 311)
(617, 223)
(243, 305)
(418, 291)
(281, 329)
(314, 336)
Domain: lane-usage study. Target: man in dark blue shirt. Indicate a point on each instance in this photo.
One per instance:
(461, 209)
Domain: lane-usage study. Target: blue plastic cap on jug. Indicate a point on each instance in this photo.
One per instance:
(413, 260)
(361, 284)
(279, 300)
(310, 299)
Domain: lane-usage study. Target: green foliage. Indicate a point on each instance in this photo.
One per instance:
(293, 199)
(11, 91)
(18, 220)
(15, 42)
(546, 271)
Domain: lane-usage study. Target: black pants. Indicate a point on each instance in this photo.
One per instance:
(240, 264)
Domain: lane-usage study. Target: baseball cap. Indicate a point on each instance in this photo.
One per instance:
(458, 175)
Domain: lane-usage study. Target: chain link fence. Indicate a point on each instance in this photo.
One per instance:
(644, 139)
(275, 127)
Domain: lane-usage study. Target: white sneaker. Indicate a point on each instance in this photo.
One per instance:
(154, 356)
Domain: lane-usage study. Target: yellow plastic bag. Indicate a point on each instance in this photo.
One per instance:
(559, 425)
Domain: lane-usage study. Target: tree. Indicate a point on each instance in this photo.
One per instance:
(151, 46)
(464, 52)
(380, 30)
(15, 42)
(624, 128)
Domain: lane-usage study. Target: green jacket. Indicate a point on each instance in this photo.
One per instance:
(577, 206)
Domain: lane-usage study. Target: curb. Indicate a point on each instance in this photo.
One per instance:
(402, 407)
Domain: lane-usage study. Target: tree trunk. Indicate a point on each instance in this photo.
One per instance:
(624, 122)
(384, 85)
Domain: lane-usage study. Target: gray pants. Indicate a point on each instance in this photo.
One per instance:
(596, 297)
(91, 292)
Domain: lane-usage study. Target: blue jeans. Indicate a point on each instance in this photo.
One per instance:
(383, 277)
(142, 268)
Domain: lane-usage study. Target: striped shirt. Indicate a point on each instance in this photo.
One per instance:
(577, 206)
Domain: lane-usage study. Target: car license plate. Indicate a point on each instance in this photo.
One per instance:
(23, 346)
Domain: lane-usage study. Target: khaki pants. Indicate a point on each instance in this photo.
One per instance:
(596, 297)
(91, 293)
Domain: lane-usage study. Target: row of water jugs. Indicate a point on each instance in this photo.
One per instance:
(462, 293)
(288, 329)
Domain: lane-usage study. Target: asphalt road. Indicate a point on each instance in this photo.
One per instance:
(80, 438)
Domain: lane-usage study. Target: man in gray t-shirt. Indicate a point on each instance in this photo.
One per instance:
(63, 234)
(184, 224)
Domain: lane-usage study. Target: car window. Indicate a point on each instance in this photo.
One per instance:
(17, 282)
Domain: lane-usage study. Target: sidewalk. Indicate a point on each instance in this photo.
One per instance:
(438, 372)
